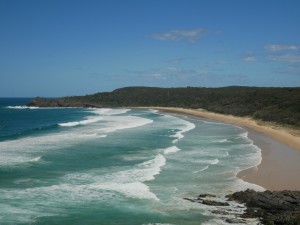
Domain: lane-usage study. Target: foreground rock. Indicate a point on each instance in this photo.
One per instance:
(277, 207)
(270, 207)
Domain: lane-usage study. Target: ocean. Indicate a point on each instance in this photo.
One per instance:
(116, 166)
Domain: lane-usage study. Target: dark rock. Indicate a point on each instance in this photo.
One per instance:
(214, 203)
(207, 202)
(277, 207)
(206, 195)
(190, 199)
(220, 212)
(235, 220)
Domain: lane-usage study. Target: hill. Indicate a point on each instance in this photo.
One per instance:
(279, 105)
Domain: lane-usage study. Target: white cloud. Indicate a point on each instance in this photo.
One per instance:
(281, 47)
(191, 35)
(165, 74)
(249, 59)
(285, 58)
(283, 53)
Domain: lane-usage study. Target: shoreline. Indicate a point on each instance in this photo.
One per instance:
(280, 150)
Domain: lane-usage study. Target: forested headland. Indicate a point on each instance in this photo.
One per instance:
(279, 105)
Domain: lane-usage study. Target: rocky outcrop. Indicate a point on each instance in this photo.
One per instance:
(277, 207)
(270, 207)
(62, 102)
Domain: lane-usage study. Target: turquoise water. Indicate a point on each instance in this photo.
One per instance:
(115, 166)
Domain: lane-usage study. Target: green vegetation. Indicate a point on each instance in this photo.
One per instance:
(279, 105)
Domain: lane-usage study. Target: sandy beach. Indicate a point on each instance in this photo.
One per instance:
(280, 149)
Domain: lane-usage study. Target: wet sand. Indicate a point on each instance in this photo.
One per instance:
(280, 165)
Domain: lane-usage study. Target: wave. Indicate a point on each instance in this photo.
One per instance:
(187, 126)
(22, 107)
(203, 169)
(220, 141)
(179, 126)
(109, 112)
(114, 123)
(90, 186)
(82, 122)
(209, 161)
(172, 149)
(67, 138)
(244, 135)
(153, 111)
(132, 180)
(127, 182)
(211, 122)
(14, 159)
(109, 116)
(19, 151)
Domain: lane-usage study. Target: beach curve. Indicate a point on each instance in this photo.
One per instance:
(280, 149)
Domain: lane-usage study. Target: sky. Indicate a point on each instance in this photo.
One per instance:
(54, 48)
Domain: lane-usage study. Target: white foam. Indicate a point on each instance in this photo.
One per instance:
(221, 140)
(94, 119)
(244, 135)
(128, 182)
(153, 111)
(209, 161)
(24, 150)
(69, 124)
(26, 180)
(133, 158)
(226, 155)
(82, 122)
(172, 149)
(132, 190)
(114, 123)
(109, 112)
(36, 144)
(16, 215)
(154, 165)
(178, 124)
(241, 185)
(22, 107)
(12, 159)
(203, 169)
(211, 122)
(36, 159)
(14, 149)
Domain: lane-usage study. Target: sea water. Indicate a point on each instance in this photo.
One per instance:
(115, 166)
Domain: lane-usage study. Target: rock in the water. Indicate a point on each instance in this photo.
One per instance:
(235, 220)
(220, 212)
(214, 203)
(277, 207)
(206, 195)
(190, 199)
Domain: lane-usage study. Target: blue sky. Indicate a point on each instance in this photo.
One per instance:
(76, 47)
